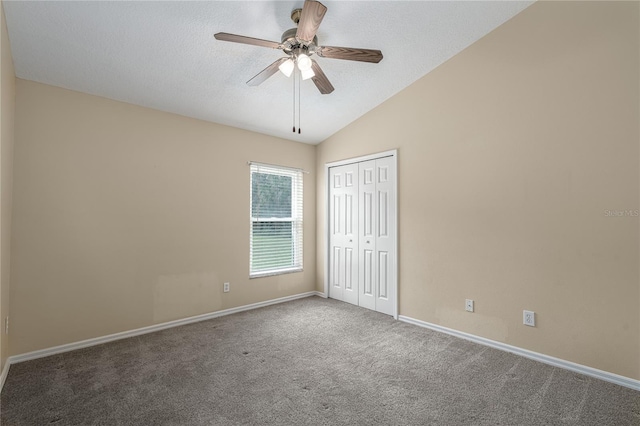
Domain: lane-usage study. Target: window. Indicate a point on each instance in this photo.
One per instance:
(276, 220)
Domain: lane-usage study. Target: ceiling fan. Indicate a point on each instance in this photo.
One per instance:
(300, 44)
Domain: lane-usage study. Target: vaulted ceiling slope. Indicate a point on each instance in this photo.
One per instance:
(163, 55)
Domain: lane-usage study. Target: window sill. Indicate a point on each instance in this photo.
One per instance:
(272, 273)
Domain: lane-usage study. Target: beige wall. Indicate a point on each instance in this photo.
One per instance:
(509, 155)
(7, 109)
(126, 217)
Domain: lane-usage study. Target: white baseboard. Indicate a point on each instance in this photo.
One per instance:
(150, 329)
(546, 359)
(5, 372)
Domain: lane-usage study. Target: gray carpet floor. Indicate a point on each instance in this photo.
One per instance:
(308, 362)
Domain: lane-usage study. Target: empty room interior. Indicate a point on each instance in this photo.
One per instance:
(439, 225)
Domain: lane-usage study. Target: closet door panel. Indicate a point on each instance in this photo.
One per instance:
(343, 238)
(384, 234)
(367, 242)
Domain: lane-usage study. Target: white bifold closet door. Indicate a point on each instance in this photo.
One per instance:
(343, 256)
(362, 218)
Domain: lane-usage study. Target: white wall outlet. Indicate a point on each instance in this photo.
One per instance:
(529, 318)
(225, 287)
(468, 305)
(6, 325)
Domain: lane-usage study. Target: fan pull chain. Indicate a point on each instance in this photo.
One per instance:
(294, 101)
(299, 119)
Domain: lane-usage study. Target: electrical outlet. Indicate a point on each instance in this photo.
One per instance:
(529, 318)
(225, 287)
(6, 325)
(468, 305)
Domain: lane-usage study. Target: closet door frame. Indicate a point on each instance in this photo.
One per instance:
(394, 274)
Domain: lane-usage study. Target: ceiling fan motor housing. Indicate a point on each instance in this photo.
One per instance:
(290, 43)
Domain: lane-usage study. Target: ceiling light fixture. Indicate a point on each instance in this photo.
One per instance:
(304, 62)
(307, 73)
(287, 67)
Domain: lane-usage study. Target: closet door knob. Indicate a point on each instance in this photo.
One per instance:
(350, 241)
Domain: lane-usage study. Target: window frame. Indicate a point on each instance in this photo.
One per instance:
(296, 219)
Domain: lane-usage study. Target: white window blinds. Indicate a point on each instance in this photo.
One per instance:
(276, 220)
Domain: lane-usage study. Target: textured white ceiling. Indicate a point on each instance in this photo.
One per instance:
(163, 55)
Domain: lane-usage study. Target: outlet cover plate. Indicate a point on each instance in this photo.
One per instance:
(225, 288)
(529, 318)
(468, 305)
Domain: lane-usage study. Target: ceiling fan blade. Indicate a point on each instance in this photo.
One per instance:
(246, 40)
(266, 73)
(350, 54)
(320, 80)
(310, 19)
